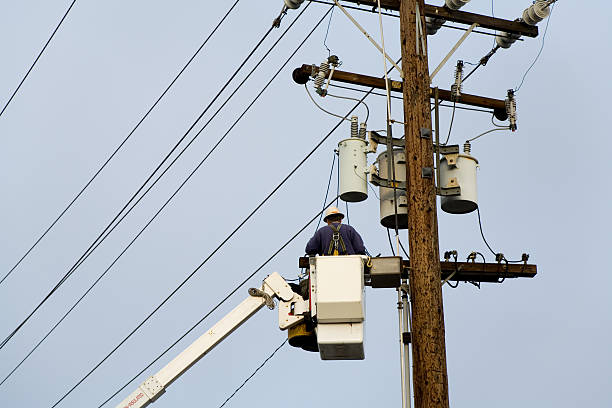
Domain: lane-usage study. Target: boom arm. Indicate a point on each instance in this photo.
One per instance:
(274, 286)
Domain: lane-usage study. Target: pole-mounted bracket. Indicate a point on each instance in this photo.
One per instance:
(427, 172)
(383, 140)
(445, 150)
(425, 133)
(381, 182)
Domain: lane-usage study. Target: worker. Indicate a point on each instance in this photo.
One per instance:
(335, 238)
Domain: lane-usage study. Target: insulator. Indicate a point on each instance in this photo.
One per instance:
(467, 148)
(293, 4)
(511, 109)
(354, 126)
(456, 4)
(505, 40)
(456, 87)
(536, 12)
(320, 78)
(433, 24)
(363, 128)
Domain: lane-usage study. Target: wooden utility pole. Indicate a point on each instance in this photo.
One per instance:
(428, 344)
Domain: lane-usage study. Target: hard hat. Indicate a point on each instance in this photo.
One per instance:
(332, 211)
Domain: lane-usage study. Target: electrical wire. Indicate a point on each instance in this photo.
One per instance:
(482, 233)
(450, 128)
(167, 201)
(121, 144)
(331, 173)
(327, 31)
(254, 372)
(486, 133)
(390, 242)
(102, 237)
(37, 58)
(218, 305)
(552, 8)
(320, 107)
(353, 99)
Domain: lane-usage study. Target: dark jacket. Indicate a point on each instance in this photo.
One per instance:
(319, 243)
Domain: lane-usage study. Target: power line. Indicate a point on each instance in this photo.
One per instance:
(37, 58)
(225, 299)
(254, 372)
(120, 145)
(539, 52)
(175, 192)
(100, 237)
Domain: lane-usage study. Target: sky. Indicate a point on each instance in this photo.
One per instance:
(541, 190)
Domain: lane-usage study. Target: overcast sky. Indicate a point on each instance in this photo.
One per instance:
(543, 190)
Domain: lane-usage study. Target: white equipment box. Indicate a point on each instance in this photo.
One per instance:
(337, 291)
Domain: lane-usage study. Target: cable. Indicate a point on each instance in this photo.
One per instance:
(165, 204)
(331, 173)
(552, 8)
(37, 58)
(486, 133)
(353, 99)
(348, 219)
(194, 326)
(482, 233)
(450, 128)
(327, 31)
(403, 249)
(254, 372)
(99, 238)
(320, 107)
(121, 144)
(390, 242)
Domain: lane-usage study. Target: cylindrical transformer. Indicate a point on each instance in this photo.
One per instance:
(456, 4)
(353, 166)
(388, 199)
(459, 171)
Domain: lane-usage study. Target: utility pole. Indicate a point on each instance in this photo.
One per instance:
(427, 272)
(428, 344)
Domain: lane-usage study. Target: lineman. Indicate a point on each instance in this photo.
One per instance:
(335, 238)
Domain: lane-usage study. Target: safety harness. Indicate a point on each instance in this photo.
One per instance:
(336, 245)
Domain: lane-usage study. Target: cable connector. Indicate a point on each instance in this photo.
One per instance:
(499, 258)
(472, 257)
(511, 109)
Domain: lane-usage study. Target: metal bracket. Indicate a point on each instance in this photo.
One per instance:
(449, 191)
(381, 182)
(427, 172)
(425, 133)
(446, 150)
(376, 137)
(451, 159)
